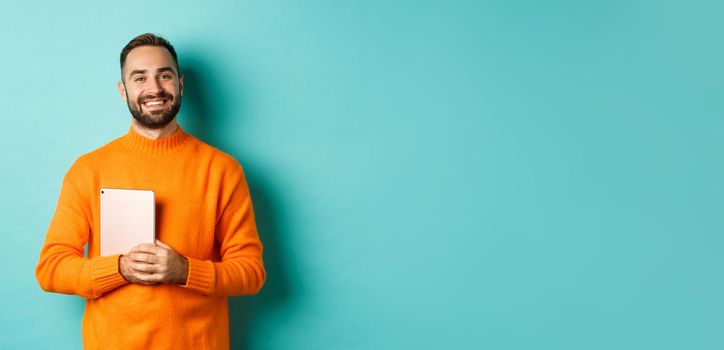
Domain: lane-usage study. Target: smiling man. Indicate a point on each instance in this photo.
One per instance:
(172, 294)
(157, 92)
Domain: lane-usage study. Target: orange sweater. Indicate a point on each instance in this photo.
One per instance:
(203, 211)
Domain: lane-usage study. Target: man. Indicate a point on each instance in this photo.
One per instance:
(172, 294)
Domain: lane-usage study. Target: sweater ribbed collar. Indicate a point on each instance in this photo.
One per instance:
(139, 143)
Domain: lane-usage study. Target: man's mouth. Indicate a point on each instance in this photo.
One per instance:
(155, 103)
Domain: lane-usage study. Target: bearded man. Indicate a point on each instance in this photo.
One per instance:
(171, 294)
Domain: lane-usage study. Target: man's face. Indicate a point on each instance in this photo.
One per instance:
(151, 86)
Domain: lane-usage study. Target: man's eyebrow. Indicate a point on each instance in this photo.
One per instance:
(165, 69)
(137, 71)
(143, 71)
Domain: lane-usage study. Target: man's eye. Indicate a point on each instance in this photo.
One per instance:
(140, 79)
(165, 76)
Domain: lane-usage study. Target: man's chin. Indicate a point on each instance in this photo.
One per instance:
(153, 122)
(155, 119)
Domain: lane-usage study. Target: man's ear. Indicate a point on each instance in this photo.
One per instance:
(181, 85)
(122, 91)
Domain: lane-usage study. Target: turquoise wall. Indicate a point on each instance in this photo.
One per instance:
(452, 174)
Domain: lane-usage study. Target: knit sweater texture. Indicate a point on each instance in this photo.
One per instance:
(203, 211)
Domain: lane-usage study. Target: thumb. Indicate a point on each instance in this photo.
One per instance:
(158, 242)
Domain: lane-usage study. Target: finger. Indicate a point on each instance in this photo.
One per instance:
(165, 248)
(158, 242)
(148, 278)
(145, 268)
(137, 277)
(137, 280)
(144, 257)
(145, 283)
(146, 248)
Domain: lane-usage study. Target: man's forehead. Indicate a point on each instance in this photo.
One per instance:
(149, 58)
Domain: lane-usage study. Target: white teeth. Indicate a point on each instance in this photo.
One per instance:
(154, 103)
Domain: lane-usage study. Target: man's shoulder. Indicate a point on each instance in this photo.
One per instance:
(92, 157)
(216, 156)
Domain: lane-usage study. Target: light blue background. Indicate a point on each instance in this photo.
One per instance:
(452, 174)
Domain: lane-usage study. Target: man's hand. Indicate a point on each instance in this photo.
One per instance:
(150, 264)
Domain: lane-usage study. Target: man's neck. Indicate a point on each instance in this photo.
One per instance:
(154, 134)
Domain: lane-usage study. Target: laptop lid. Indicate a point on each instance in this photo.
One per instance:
(127, 219)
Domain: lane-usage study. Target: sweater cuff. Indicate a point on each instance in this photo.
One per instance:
(105, 274)
(201, 276)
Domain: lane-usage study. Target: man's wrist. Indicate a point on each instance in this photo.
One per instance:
(120, 270)
(185, 272)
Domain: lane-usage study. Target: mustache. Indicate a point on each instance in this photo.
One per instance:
(160, 94)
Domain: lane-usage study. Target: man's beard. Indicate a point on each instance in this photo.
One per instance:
(155, 119)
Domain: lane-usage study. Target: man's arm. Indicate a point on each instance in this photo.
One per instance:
(62, 267)
(241, 269)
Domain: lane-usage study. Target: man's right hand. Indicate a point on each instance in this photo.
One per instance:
(134, 276)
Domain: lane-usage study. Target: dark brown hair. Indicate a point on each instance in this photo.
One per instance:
(148, 39)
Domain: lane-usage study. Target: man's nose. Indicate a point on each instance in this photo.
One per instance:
(154, 86)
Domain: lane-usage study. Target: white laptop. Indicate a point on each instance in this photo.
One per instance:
(127, 219)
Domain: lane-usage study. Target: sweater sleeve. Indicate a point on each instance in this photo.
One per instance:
(62, 267)
(241, 269)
